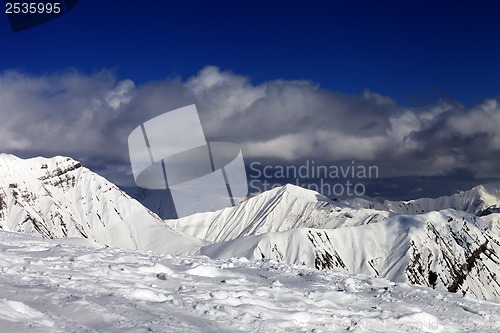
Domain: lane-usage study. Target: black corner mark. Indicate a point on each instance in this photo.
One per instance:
(26, 14)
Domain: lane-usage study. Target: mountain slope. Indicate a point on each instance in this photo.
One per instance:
(279, 209)
(58, 198)
(446, 250)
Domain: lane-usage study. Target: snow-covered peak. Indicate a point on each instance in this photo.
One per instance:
(479, 200)
(473, 201)
(58, 197)
(279, 209)
(37, 167)
(297, 192)
(36, 161)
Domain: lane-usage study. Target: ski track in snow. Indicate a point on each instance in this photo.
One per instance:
(51, 286)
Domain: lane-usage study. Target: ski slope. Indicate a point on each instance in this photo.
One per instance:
(63, 286)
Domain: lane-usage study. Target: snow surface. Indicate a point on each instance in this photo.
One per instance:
(53, 286)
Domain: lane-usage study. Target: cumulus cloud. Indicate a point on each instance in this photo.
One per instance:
(60, 113)
(89, 117)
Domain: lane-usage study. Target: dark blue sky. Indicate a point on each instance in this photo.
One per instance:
(426, 56)
(413, 51)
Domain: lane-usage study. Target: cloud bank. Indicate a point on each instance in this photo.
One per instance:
(89, 117)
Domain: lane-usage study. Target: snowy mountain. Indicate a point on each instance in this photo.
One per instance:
(480, 200)
(446, 250)
(449, 250)
(280, 209)
(58, 198)
(49, 286)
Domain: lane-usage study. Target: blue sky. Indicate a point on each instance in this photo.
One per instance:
(416, 51)
(412, 87)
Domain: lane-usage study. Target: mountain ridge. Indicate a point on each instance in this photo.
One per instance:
(59, 198)
(280, 209)
(448, 245)
(446, 249)
(478, 200)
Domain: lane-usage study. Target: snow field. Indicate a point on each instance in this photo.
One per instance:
(46, 286)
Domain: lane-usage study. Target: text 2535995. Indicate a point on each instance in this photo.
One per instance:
(32, 8)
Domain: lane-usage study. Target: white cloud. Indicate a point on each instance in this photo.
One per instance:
(89, 117)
